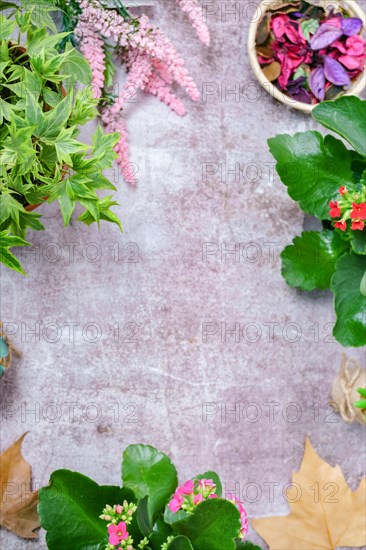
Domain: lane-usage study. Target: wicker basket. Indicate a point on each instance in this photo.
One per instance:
(358, 85)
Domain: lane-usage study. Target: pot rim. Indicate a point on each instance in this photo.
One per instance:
(357, 86)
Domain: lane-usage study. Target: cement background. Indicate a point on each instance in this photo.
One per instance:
(150, 382)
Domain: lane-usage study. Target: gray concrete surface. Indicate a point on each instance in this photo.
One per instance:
(150, 380)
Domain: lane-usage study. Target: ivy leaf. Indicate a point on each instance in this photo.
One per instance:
(349, 303)
(52, 122)
(66, 145)
(180, 543)
(104, 213)
(6, 27)
(10, 209)
(40, 39)
(67, 206)
(69, 510)
(33, 109)
(312, 168)
(6, 110)
(347, 117)
(103, 148)
(309, 262)
(6, 257)
(76, 187)
(214, 524)
(76, 67)
(148, 472)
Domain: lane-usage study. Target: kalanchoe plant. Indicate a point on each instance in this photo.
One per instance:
(41, 158)
(309, 53)
(149, 512)
(329, 182)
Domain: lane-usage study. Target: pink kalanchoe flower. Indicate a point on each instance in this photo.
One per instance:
(206, 483)
(186, 489)
(213, 495)
(243, 514)
(176, 503)
(358, 211)
(195, 14)
(117, 533)
(341, 225)
(118, 509)
(197, 499)
(334, 211)
(358, 224)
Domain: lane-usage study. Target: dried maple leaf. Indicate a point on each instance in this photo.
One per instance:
(325, 513)
(18, 507)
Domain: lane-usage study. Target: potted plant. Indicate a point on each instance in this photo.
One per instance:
(149, 512)
(41, 159)
(307, 51)
(328, 180)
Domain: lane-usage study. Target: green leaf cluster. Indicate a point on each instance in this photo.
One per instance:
(313, 168)
(70, 506)
(41, 111)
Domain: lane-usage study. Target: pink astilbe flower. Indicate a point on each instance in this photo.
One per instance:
(140, 70)
(92, 48)
(195, 14)
(152, 62)
(114, 123)
(156, 86)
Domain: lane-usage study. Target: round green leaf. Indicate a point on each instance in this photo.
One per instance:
(347, 117)
(312, 168)
(69, 509)
(148, 472)
(214, 525)
(309, 262)
(161, 531)
(350, 304)
(180, 543)
(358, 242)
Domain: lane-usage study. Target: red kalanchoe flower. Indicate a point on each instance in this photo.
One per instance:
(343, 190)
(334, 211)
(359, 211)
(341, 225)
(358, 225)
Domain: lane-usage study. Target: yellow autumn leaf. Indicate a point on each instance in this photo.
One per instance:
(325, 513)
(18, 506)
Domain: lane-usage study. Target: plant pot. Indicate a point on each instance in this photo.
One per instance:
(358, 85)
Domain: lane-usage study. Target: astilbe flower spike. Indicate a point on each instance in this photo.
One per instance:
(195, 14)
(152, 62)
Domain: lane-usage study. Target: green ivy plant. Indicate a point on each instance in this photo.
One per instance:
(41, 111)
(328, 179)
(74, 510)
